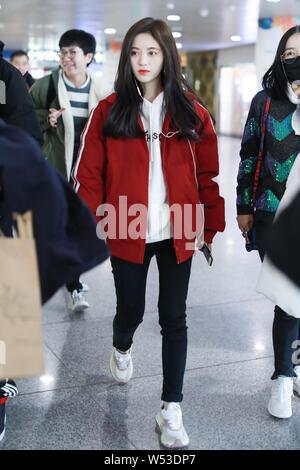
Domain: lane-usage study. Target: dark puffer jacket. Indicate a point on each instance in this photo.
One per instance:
(64, 228)
(16, 106)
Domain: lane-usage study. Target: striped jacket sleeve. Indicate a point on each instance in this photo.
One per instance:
(207, 170)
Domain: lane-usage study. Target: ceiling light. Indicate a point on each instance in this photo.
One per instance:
(99, 57)
(170, 6)
(173, 17)
(178, 45)
(273, 1)
(110, 31)
(176, 34)
(204, 12)
(236, 38)
(47, 379)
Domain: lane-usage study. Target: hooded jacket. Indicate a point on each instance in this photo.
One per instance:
(108, 168)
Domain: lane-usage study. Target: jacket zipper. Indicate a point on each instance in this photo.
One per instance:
(163, 147)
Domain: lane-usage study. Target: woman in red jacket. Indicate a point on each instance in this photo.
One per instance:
(147, 161)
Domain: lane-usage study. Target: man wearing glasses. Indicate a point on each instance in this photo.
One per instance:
(63, 101)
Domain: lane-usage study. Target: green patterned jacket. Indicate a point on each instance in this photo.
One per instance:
(281, 148)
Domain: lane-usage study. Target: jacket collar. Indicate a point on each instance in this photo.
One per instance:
(111, 98)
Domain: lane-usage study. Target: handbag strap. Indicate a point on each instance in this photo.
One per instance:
(261, 150)
(24, 224)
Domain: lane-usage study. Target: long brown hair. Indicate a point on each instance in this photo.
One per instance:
(122, 120)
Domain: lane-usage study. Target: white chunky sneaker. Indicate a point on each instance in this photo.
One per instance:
(84, 287)
(78, 302)
(169, 422)
(121, 366)
(297, 380)
(280, 404)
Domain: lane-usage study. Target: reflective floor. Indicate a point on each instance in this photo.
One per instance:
(77, 405)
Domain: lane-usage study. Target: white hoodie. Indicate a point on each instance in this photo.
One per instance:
(159, 227)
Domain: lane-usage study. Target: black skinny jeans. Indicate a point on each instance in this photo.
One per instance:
(130, 283)
(286, 329)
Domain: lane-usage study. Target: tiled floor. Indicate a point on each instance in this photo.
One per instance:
(77, 405)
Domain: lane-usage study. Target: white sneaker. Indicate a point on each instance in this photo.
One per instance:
(297, 380)
(84, 288)
(280, 404)
(169, 421)
(78, 302)
(121, 366)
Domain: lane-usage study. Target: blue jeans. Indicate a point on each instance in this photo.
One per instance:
(286, 329)
(130, 283)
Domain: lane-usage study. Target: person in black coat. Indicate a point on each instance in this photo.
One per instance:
(64, 227)
(16, 106)
(284, 245)
(20, 60)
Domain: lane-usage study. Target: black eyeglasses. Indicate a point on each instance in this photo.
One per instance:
(71, 53)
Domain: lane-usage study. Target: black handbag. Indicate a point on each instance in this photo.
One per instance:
(250, 236)
(250, 239)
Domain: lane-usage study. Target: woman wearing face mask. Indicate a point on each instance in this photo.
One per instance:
(153, 144)
(280, 150)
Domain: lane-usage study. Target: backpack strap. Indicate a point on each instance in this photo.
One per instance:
(51, 93)
(261, 150)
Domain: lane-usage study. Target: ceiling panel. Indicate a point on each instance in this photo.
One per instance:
(24, 23)
(282, 8)
(27, 23)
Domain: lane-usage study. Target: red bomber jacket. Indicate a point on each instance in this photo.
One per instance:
(108, 168)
